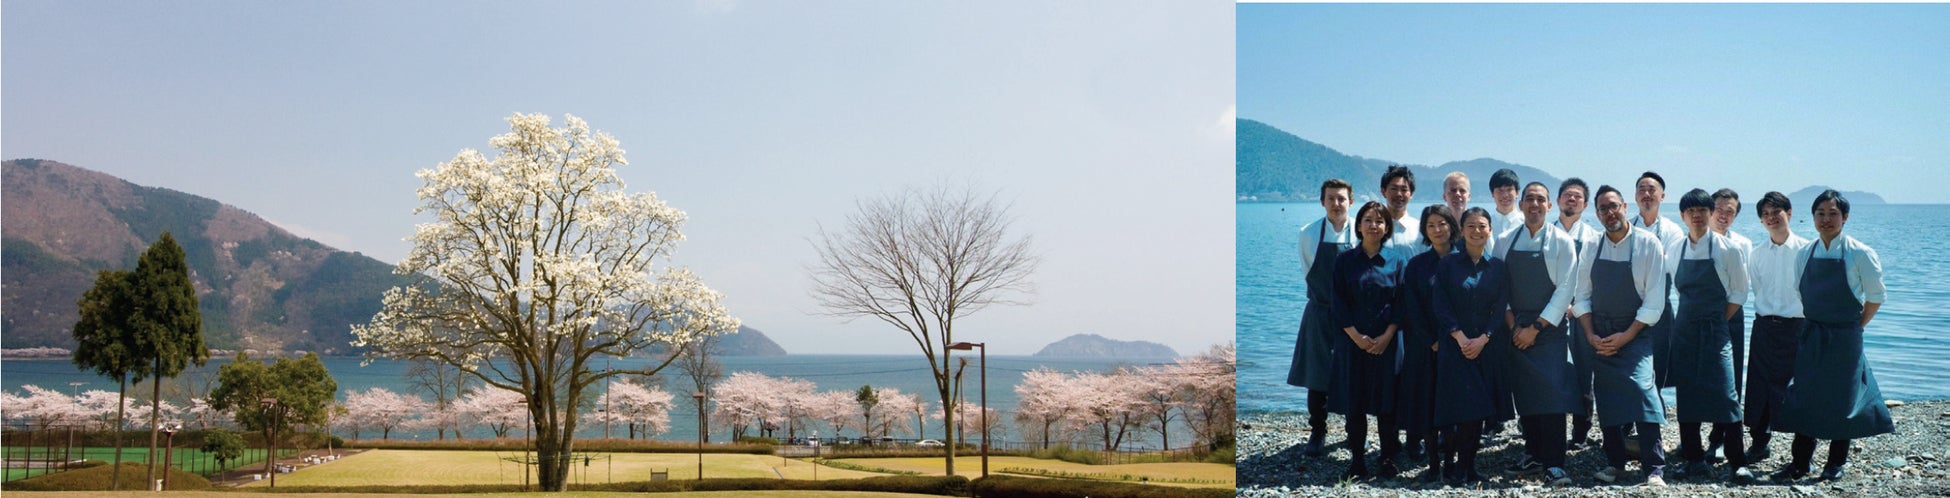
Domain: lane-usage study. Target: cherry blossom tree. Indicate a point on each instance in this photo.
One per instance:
(1210, 407)
(1043, 399)
(499, 410)
(1105, 402)
(382, 409)
(1158, 395)
(892, 414)
(642, 409)
(839, 409)
(968, 420)
(540, 260)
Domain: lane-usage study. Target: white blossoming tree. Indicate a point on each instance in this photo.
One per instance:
(536, 262)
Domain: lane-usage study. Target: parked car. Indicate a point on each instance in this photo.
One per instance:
(928, 442)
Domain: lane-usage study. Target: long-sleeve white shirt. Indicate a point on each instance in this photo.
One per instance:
(1310, 239)
(1727, 263)
(1746, 247)
(1580, 231)
(1648, 260)
(1773, 270)
(1864, 269)
(1560, 261)
(1501, 223)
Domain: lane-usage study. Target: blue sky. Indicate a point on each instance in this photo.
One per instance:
(1753, 97)
(1105, 124)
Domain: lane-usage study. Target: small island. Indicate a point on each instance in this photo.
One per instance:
(1097, 346)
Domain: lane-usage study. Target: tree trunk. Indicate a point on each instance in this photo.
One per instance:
(121, 410)
(155, 418)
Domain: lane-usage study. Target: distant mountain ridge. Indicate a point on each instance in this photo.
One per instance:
(1271, 165)
(1097, 346)
(258, 286)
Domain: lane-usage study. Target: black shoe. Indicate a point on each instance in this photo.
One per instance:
(1525, 466)
(1831, 474)
(1741, 475)
(1387, 469)
(1713, 453)
(1788, 474)
(1757, 454)
(1415, 452)
(1312, 450)
(1693, 471)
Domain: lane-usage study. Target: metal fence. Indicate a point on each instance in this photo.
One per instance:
(29, 453)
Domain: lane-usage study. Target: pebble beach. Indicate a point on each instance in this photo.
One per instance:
(1913, 461)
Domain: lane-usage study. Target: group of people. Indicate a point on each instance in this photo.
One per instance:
(1464, 318)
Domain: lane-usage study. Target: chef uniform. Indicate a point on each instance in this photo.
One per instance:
(1833, 394)
(1320, 243)
(1542, 266)
(1708, 275)
(1619, 283)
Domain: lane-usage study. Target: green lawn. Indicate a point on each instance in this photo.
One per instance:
(443, 467)
(1214, 475)
(189, 459)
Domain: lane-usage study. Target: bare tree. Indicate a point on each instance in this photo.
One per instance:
(698, 361)
(445, 383)
(918, 260)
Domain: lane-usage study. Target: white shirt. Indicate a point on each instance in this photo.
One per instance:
(1310, 239)
(1560, 262)
(1580, 231)
(1863, 268)
(1727, 263)
(1773, 270)
(1406, 242)
(1648, 272)
(1746, 247)
(1668, 233)
(1501, 223)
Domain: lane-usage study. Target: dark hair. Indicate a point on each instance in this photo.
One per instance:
(1503, 178)
(1573, 182)
(1727, 193)
(1442, 212)
(1828, 196)
(1335, 183)
(1398, 171)
(1526, 188)
(1602, 189)
(1696, 198)
(1363, 213)
(1655, 177)
(1475, 211)
(1778, 200)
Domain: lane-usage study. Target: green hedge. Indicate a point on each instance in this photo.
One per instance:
(945, 486)
(96, 478)
(1025, 487)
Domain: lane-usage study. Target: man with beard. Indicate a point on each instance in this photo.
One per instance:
(1621, 282)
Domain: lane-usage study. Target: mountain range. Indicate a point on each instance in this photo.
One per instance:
(259, 287)
(1271, 165)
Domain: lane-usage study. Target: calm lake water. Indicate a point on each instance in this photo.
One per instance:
(1908, 343)
(910, 374)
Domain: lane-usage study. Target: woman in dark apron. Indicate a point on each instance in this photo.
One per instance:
(1312, 349)
(1621, 363)
(1415, 386)
(1539, 364)
(1702, 353)
(1367, 280)
(1833, 395)
(1470, 295)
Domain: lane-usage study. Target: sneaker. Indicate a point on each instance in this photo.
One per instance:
(1742, 475)
(1789, 474)
(1655, 481)
(1608, 474)
(1832, 474)
(1557, 477)
(1525, 466)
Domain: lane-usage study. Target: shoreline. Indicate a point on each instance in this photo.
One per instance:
(1913, 461)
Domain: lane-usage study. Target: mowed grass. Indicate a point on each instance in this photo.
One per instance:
(578, 494)
(1223, 476)
(448, 467)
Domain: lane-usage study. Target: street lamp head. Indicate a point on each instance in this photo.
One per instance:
(965, 346)
(697, 395)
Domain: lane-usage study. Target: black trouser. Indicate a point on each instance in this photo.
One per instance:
(1651, 455)
(1464, 439)
(1690, 449)
(1317, 414)
(1804, 453)
(1357, 439)
(1543, 438)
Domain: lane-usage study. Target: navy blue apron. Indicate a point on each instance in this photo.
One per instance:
(1539, 377)
(1772, 366)
(1737, 336)
(1833, 394)
(1702, 355)
(1661, 333)
(1463, 386)
(1623, 383)
(1312, 354)
(1362, 383)
(1415, 383)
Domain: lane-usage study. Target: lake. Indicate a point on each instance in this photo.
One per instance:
(909, 373)
(1906, 344)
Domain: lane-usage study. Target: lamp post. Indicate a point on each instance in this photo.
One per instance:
(271, 456)
(964, 346)
(74, 391)
(525, 426)
(698, 396)
(169, 444)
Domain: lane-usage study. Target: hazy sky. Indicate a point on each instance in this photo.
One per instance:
(1754, 97)
(1108, 125)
